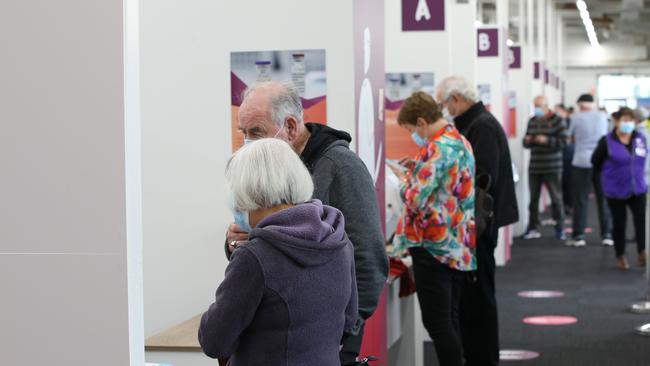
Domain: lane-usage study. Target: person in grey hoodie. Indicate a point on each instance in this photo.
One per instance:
(289, 292)
(341, 180)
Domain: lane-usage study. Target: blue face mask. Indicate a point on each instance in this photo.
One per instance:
(241, 219)
(539, 112)
(626, 127)
(248, 141)
(420, 141)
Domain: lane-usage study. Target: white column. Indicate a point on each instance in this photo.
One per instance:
(460, 25)
(71, 293)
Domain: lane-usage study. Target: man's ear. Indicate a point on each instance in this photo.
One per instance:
(291, 128)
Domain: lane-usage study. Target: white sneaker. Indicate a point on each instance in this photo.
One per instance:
(579, 243)
(608, 242)
(531, 234)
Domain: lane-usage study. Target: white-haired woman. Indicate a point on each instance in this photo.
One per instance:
(290, 291)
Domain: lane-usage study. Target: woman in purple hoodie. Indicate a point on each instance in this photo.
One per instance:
(290, 291)
(620, 158)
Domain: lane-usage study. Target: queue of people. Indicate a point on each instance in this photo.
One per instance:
(575, 154)
(306, 251)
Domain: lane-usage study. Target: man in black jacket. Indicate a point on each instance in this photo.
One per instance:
(341, 180)
(478, 312)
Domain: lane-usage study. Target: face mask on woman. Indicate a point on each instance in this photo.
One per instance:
(626, 127)
(241, 219)
(419, 140)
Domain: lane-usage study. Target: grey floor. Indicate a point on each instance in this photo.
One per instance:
(597, 293)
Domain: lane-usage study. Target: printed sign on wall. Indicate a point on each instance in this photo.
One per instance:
(487, 42)
(514, 57)
(423, 15)
(305, 68)
(400, 86)
(485, 95)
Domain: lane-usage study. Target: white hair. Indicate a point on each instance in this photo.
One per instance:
(456, 85)
(284, 103)
(267, 173)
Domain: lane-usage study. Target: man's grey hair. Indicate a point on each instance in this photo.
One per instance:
(267, 173)
(456, 85)
(285, 103)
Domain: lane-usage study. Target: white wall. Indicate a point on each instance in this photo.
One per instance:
(64, 212)
(185, 55)
(440, 52)
(580, 80)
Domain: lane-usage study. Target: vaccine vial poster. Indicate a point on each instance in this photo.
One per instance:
(400, 86)
(304, 68)
(485, 95)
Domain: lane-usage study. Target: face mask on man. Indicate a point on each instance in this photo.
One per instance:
(248, 141)
(446, 115)
(538, 112)
(626, 127)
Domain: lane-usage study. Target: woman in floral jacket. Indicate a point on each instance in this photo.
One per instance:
(437, 225)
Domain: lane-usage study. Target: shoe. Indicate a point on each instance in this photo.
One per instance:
(642, 259)
(560, 234)
(621, 263)
(608, 242)
(579, 243)
(531, 234)
(576, 242)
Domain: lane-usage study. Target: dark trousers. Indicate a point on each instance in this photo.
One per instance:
(583, 180)
(552, 181)
(619, 214)
(439, 289)
(479, 322)
(351, 348)
(567, 157)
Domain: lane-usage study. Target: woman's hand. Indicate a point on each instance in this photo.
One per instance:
(235, 237)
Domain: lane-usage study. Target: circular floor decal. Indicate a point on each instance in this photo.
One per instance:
(517, 355)
(540, 294)
(550, 320)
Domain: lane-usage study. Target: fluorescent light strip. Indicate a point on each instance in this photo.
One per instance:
(589, 25)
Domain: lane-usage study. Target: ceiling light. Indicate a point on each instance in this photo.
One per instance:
(510, 42)
(588, 23)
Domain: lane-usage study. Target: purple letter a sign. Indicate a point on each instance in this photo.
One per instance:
(423, 15)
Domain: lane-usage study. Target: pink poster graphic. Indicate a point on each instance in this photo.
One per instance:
(369, 100)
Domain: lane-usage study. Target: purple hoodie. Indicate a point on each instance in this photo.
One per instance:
(288, 294)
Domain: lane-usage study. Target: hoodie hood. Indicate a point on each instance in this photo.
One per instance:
(311, 234)
(320, 139)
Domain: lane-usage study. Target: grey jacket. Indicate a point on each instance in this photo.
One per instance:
(341, 180)
(288, 294)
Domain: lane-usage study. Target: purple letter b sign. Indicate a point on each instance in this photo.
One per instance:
(487, 42)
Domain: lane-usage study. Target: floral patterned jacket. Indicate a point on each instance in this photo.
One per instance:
(438, 197)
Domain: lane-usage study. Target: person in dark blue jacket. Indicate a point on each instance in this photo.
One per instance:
(619, 159)
(289, 293)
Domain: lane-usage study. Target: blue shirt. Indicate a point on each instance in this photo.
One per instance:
(587, 128)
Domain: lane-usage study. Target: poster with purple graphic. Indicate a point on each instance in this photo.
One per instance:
(487, 42)
(514, 57)
(536, 68)
(369, 79)
(304, 68)
(423, 15)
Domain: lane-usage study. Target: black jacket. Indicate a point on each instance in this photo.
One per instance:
(492, 156)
